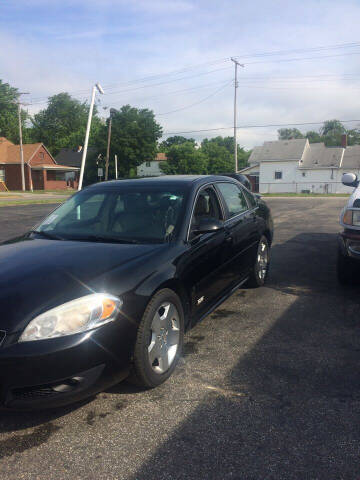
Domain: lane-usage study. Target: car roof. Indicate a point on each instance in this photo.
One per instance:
(164, 179)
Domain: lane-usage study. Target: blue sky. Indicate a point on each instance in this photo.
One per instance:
(53, 46)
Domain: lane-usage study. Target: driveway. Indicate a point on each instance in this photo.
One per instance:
(268, 387)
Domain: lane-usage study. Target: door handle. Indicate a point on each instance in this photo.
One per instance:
(228, 238)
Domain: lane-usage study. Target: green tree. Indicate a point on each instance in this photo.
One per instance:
(9, 123)
(313, 137)
(185, 159)
(218, 157)
(175, 140)
(332, 127)
(228, 144)
(331, 132)
(134, 137)
(353, 136)
(289, 133)
(243, 157)
(63, 123)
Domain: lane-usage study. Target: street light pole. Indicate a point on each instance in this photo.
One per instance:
(21, 143)
(116, 170)
(108, 150)
(235, 112)
(97, 87)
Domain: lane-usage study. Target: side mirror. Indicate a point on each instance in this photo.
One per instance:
(350, 180)
(207, 225)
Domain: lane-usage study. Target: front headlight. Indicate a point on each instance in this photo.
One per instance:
(351, 217)
(79, 315)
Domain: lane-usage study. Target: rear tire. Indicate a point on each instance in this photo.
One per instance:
(260, 270)
(159, 340)
(346, 270)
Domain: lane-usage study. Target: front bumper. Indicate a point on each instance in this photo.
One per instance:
(56, 372)
(349, 243)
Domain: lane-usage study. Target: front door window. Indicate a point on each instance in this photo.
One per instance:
(207, 206)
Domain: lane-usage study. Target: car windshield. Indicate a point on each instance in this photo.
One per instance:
(127, 215)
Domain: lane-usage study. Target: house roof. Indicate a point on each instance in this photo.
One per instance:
(10, 153)
(351, 157)
(251, 168)
(161, 157)
(279, 150)
(55, 167)
(4, 145)
(13, 152)
(309, 155)
(317, 155)
(71, 156)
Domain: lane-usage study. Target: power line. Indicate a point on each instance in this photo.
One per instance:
(196, 103)
(296, 79)
(183, 90)
(296, 124)
(155, 84)
(222, 60)
(301, 50)
(319, 57)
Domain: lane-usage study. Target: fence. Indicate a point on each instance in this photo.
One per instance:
(304, 187)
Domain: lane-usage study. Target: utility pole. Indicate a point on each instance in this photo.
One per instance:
(97, 87)
(116, 171)
(112, 111)
(235, 112)
(21, 143)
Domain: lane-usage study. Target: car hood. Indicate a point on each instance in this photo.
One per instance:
(38, 274)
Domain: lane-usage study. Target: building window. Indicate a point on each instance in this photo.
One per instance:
(60, 176)
(55, 176)
(278, 175)
(41, 155)
(304, 174)
(148, 164)
(2, 175)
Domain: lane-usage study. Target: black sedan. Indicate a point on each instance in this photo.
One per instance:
(105, 286)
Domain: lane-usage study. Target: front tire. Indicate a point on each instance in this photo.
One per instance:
(159, 340)
(260, 270)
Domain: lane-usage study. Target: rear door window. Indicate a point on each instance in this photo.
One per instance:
(234, 198)
(250, 198)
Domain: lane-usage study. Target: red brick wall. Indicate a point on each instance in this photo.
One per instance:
(42, 158)
(38, 179)
(57, 184)
(13, 177)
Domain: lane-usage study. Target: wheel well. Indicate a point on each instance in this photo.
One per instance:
(181, 292)
(268, 236)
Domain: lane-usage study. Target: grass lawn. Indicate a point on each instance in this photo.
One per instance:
(305, 194)
(7, 203)
(56, 192)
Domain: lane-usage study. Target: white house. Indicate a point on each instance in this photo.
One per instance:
(295, 166)
(152, 167)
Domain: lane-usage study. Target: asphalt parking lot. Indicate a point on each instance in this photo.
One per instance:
(268, 386)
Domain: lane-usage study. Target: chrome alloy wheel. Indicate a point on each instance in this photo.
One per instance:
(262, 260)
(164, 339)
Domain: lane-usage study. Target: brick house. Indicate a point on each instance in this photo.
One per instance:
(42, 172)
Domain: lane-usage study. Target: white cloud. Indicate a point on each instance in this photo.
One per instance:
(120, 41)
